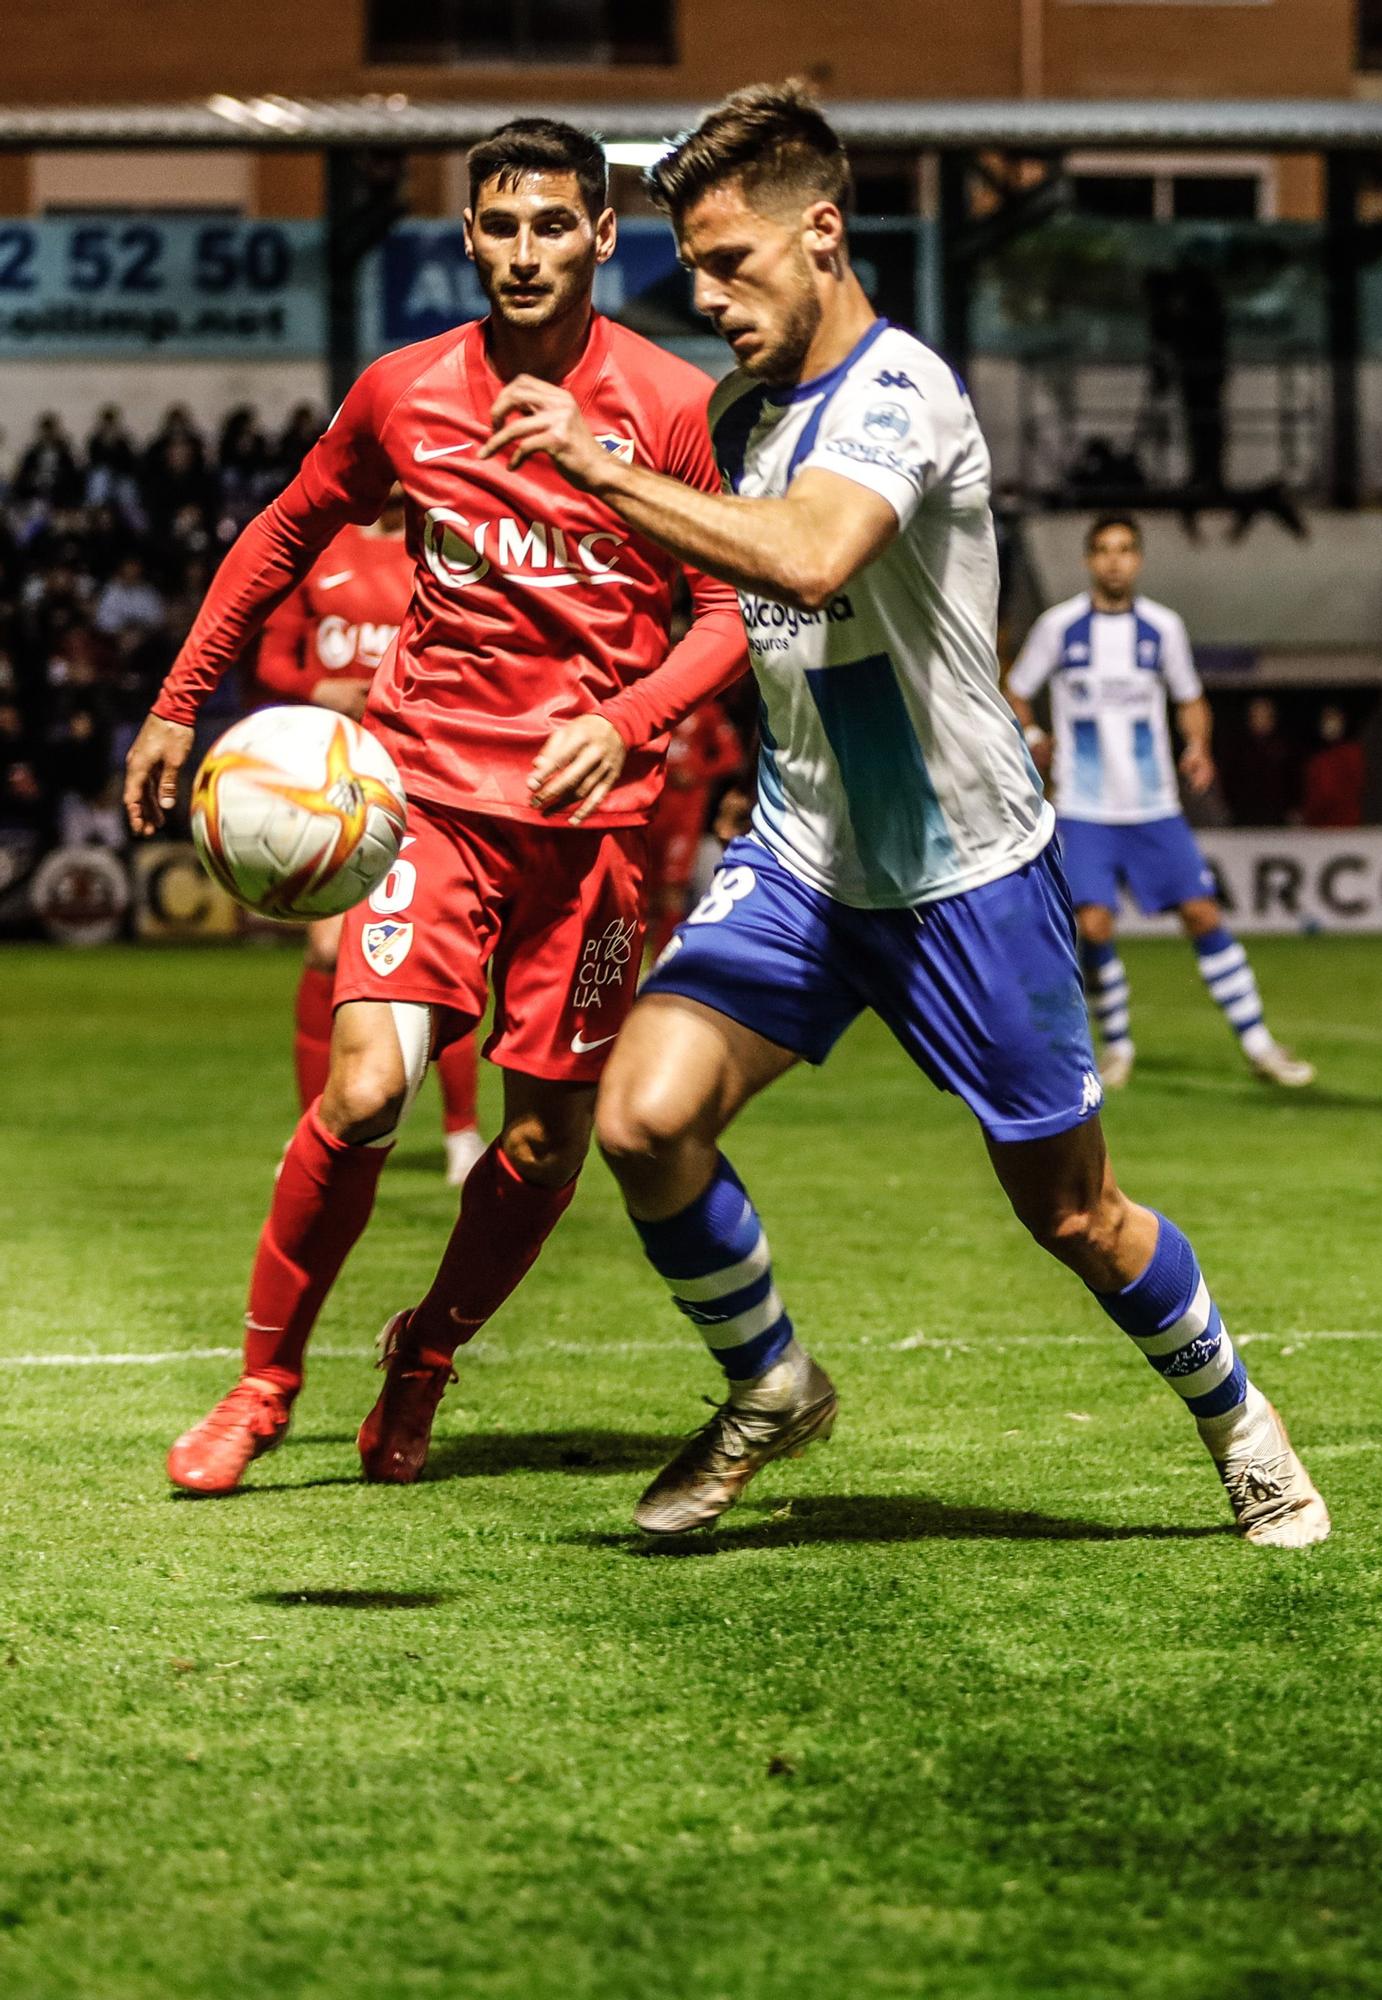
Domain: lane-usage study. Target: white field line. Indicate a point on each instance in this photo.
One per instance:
(485, 1351)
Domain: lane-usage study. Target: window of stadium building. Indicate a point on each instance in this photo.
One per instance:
(1369, 33)
(594, 33)
(1182, 189)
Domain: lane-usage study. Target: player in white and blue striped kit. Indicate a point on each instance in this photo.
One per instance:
(1112, 659)
(901, 856)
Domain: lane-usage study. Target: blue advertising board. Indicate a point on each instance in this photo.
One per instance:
(180, 287)
(419, 282)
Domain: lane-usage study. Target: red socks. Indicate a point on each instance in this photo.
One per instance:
(503, 1223)
(312, 1037)
(455, 1068)
(321, 1203)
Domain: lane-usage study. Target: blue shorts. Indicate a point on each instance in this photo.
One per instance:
(983, 989)
(1158, 859)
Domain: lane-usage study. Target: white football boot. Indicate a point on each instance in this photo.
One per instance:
(1274, 1500)
(775, 1415)
(1116, 1067)
(1275, 1064)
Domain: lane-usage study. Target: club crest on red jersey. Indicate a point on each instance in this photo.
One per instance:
(386, 945)
(617, 447)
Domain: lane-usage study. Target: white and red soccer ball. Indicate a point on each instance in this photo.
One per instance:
(298, 812)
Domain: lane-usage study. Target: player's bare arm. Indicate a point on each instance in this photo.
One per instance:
(799, 550)
(1195, 720)
(1038, 742)
(155, 758)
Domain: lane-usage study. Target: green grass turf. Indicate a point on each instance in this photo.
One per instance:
(979, 1701)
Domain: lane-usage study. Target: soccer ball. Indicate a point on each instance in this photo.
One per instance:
(298, 812)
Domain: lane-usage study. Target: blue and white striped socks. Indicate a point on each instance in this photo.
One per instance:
(1106, 987)
(1169, 1314)
(1225, 971)
(715, 1260)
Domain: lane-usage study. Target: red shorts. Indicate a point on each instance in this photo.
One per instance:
(550, 917)
(674, 834)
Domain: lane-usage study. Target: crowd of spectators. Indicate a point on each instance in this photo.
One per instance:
(107, 545)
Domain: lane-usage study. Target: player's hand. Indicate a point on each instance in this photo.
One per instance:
(582, 761)
(156, 756)
(346, 697)
(531, 416)
(1197, 768)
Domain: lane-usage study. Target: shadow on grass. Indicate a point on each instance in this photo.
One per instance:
(916, 1517)
(490, 1454)
(353, 1600)
(1234, 1082)
(269, 1486)
(487, 1455)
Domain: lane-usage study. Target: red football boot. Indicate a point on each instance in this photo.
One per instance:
(394, 1437)
(214, 1455)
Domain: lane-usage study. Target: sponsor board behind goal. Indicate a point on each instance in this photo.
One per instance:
(1292, 880)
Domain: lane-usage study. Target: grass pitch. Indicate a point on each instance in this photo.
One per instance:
(980, 1701)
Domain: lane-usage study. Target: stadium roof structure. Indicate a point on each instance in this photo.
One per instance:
(396, 120)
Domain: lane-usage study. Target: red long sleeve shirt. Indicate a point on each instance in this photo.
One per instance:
(532, 603)
(341, 620)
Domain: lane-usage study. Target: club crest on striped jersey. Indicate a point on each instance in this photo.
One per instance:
(386, 945)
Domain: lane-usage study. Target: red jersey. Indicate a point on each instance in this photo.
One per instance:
(342, 618)
(532, 603)
(704, 746)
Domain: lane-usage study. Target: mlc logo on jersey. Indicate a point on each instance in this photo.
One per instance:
(535, 554)
(340, 644)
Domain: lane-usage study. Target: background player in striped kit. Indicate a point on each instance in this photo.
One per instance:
(323, 644)
(901, 854)
(1112, 659)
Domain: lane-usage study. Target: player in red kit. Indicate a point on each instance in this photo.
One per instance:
(323, 645)
(527, 704)
(703, 748)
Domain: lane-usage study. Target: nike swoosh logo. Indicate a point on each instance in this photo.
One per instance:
(341, 576)
(424, 453)
(580, 1047)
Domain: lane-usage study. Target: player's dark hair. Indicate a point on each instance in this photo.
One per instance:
(1103, 522)
(773, 139)
(540, 146)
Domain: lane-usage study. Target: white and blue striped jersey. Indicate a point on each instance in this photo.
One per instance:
(891, 770)
(1110, 673)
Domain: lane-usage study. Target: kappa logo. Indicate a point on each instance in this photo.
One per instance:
(617, 447)
(386, 945)
(1091, 1093)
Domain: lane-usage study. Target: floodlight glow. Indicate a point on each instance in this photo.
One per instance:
(636, 152)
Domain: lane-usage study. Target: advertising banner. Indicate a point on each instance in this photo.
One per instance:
(1290, 881)
(178, 287)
